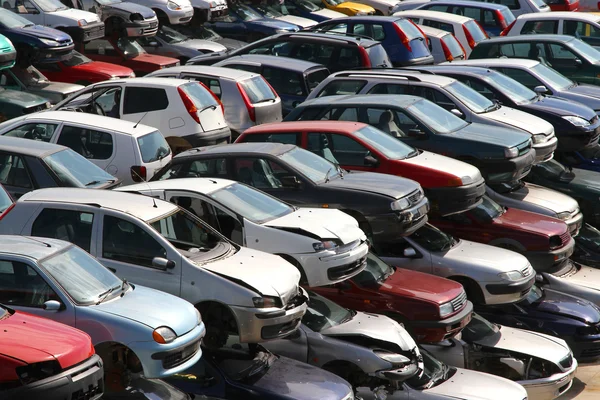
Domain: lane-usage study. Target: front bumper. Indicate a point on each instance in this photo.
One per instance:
(218, 11)
(142, 28)
(545, 260)
(580, 138)
(453, 200)
(392, 225)
(507, 170)
(54, 54)
(93, 31)
(504, 293)
(217, 136)
(162, 360)
(551, 387)
(545, 151)
(83, 381)
(436, 331)
(180, 16)
(7, 60)
(574, 223)
(585, 348)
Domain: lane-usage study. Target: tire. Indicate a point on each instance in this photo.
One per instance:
(474, 293)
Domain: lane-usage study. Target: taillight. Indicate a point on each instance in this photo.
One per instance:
(403, 37)
(508, 28)
(189, 105)
(364, 57)
(7, 210)
(501, 19)
(138, 173)
(247, 102)
(469, 37)
(214, 97)
(447, 52)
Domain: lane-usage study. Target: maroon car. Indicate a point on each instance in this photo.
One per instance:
(545, 241)
(431, 308)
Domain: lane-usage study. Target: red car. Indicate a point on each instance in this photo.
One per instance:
(127, 52)
(451, 186)
(563, 5)
(545, 241)
(431, 308)
(81, 70)
(43, 359)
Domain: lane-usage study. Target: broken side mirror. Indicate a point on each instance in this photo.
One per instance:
(163, 263)
(290, 182)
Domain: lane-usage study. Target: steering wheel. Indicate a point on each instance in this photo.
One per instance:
(98, 109)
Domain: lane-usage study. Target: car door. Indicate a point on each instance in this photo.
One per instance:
(95, 145)
(393, 253)
(15, 175)
(567, 62)
(342, 150)
(589, 33)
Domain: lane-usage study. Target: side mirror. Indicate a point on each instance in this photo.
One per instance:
(416, 132)
(290, 182)
(153, 44)
(371, 161)
(540, 89)
(409, 252)
(162, 263)
(457, 112)
(51, 305)
(578, 62)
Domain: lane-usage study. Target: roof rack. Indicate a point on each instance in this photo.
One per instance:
(339, 33)
(405, 73)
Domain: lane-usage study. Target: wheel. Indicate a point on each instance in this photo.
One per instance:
(219, 323)
(472, 289)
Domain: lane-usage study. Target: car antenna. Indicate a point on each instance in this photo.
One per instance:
(149, 187)
(137, 123)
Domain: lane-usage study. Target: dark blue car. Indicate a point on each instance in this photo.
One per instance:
(243, 23)
(403, 41)
(584, 159)
(305, 9)
(35, 43)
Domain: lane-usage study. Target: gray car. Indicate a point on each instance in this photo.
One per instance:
(31, 80)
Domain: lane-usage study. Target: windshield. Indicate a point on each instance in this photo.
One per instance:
(50, 5)
(322, 314)
(76, 59)
(108, 2)
(508, 16)
(130, 47)
(74, 170)
(435, 117)
(434, 373)
(334, 2)
(170, 35)
(30, 75)
(186, 232)
(153, 147)
(3, 312)
(245, 12)
(517, 92)
(10, 20)
(314, 167)
(433, 239)
(550, 169)
(202, 32)
(313, 79)
(584, 50)
(554, 78)
(588, 237)
(307, 5)
(488, 209)
(251, 204)
(84, 279)
(534, 295)
(471, 98)
(268, 11)
(376, 272)
(479, 329)
(387, 145)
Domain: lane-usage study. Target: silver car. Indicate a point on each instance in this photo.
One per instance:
(490, 275)
(133, 328)
(543, 364)
(247, 97)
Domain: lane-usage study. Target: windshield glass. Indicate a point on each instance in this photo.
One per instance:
(81, 275)
(387, 145)
(30, 75)
(130, 47)
(517, 92)
(534, 295)
(268, 11)
(3, 312)
(245, 12)
(315, 168)
(202, 32)
(153, 147)
(480, 328)
(550, 169)
(323, 314)
(410, 29)
(313, 79)
(50, 5)
(434, 373)
(170, 35)
(472, 99)
(584, 50)
(433, 239)
(76, 59)
(10, 20)
(488, 209)
(107, 2)
(186, 232)
(508, 16)
(588, 237)
(376, 272)
(438, 119)
(307, 5)
(74, 170)
(251, 204)
(554, 78)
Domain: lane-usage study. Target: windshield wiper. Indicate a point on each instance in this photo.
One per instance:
(212, 106)
(97, 182)
(327, 175)
(102, 296)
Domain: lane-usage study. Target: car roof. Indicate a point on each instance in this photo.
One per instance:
(35, 248)
(399, 100)
(433, 15)
(527, 38)
(342, 38)
(471, 3)
(494, 62)
(28, 147)
(464, 69)
(200, 185)
(369, 18)
(390, 73)
(581, 16)
(239, 148)
(295, 126)
(229, 73)
(109, 123)
(142, 207)
(148, 82)
(429, 31)
(292, 64)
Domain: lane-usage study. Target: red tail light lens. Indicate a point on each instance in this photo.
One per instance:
(138, 173)
(189, 105)
(214, 97)
(248, 103)
(7, 210)
(364, 57)
(447, 52)
(469, 37)
(508, 28)
(501, 19)
(403, 37)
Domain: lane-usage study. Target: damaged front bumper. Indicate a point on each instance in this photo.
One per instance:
(551, 387)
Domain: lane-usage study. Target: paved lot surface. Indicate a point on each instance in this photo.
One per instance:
(586, 386)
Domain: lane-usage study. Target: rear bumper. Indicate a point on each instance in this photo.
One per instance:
(452, 200)
(544, 260)
(436, 331)
(507, 170)
(83, 381)
(217, 136)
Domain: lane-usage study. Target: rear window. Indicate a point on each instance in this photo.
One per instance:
(313, 79)
(475, 30)
(257, 90)
(539, 3)
(153, 147)
(199, 95)
(453, 45)
(378, 56)
(509, 17)
(409, 29)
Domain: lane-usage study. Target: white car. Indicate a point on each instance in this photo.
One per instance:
(382, 7)
(170, 11)
(178, 108)
(443, 45)
(325, 244)
(81, 25)
(131, 153)
(151, 242)
(517, 7)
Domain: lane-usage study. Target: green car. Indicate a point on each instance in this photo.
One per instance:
(568, 55)
(580, 184)
(8, 54)
(14, 103)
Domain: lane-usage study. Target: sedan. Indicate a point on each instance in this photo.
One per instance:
(587, 247)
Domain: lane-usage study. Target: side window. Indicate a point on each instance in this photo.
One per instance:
(36, 131)
(389, 88)
(546, 26)
(310, 113)
(213, 84)
(342, 114)
(489, 19)
(143, 99)
(21, 285)
(320, 144)
(482, 89)
(394, 123)
(259, 173)
(13, 171)
(71, 226)
(101, 48)
(339, 28)
(560, 52)
(127, 242)
(522, 77)
(347, 151)
(342, 87)
(580, 29)
(284, 81)
(7, 80)
(286, 138)
(229, 226)
(436, 8)
(198, 207)
(244, 67)
(392, 249)
(216, 167)
(470, 12)
(89, 143)
(433, 95)
(438, 25)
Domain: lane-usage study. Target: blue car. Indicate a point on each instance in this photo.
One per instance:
(403, 41)
(243, 23)
(584, 159)
(305, 9)
(35, 43)
(269, 11)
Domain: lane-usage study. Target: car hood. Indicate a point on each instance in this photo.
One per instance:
(586, 178)
(589, 94)
(17, 97)
(76, 15)
(274, 24)
(231, 44)
(56, 87)
(43, 32)
(356, 7)
(132, 8)
(302, 22)
(586, 277)
(467, 384)
(413, 284)
(268, 274)
(373, 326)
(201, 45)
(484, 256)
(32, 339)
(152, 308)
(389, 185)
(520, 120)
(321, 222)
(481, 133)
(534, 223)
(154, 59)
(326, 12)
(437, 162)
(531, 343)
(544, 197)
(560, 107)
(109, 69)
(565, 305)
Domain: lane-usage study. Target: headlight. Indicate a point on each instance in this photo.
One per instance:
(49, 42)
(37, 371)
(510, 275)
(132, 75)
(511, 153)
(325, 245)
(577, 121)
(82, 22)
(163, 335)
(171, 5)
(283, 31)
(362, 13)
(537, 139)
(466, 180)
(446, 309)
(198, 317)
(393, 358)
(563, 215)
(267, 302)
(400, 204)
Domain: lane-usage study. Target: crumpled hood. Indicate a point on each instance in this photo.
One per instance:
(301, 22)
(485, 257)
(421, 286)
(585, 276)
(520, 120)
(568, 306)
(43, 32)
(127, 6)
(589, 95)
(433, 162)
(75, 15)
(544, 197)
(560, 107)
(532, 343)
(268, 274)
(467, 384)
(505, 137)
(322, 222)
(201, 45)
(390, 185)
(152, 308)
(105, 68)
(331, 14)
(374, 326)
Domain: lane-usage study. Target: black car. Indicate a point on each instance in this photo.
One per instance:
(501, 154)
(587, 247)
(336, 52)
(258, 374)
(576, 125)
(575, 320)
(385, 206)
(26, 165)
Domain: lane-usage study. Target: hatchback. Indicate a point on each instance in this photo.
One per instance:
(443, 45)
(131, 153)
(519, 7)
(178, 108)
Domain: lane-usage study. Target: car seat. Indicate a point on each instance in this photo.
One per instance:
(326, 152)
(386, 123)
(263, 176)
